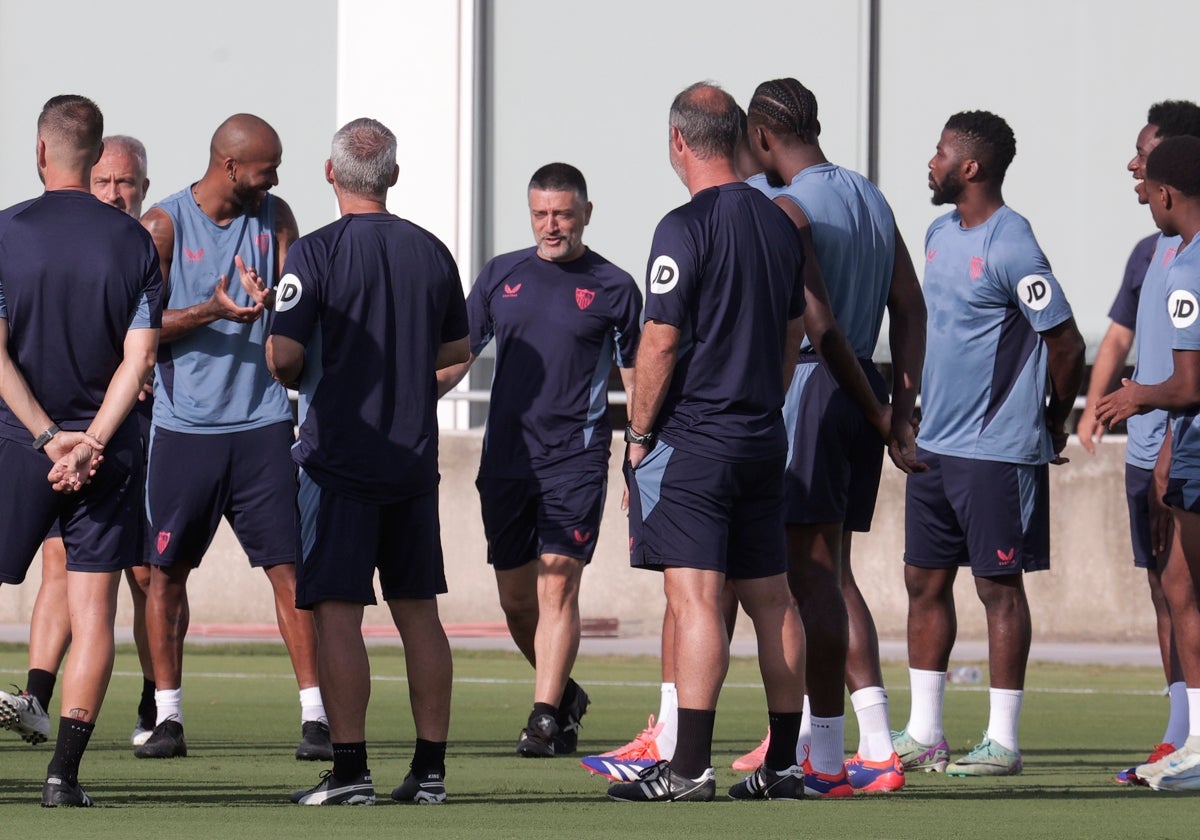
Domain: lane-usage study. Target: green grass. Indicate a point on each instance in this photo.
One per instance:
(1080, 724)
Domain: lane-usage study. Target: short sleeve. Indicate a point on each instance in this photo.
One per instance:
(627, 325)
(481, 328)
(147, 314)
(1183, 307)
(672, 274)
(1124, 307)
(297, 297)
(1023, 273)
(455, 324)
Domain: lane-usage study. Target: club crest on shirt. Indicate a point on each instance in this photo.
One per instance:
(584, 298)
(1035, 292)
(664, 275)
(976, 267)
(264, 243)
(288, 293)
(930, 254)
(1168, 256)
(1183, 308)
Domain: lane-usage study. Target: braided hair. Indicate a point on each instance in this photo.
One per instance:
(786, 108)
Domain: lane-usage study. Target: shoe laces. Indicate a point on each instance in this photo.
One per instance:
(640, 745)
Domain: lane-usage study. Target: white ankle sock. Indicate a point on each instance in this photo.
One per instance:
(311, 705)
(874, 731)
(804, 739)
(928, 693)
(1193, 699)
(170, 705)
(668, 716)
(1004, 715)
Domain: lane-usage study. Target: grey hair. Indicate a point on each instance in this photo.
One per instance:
(130, 146)
(711, 122)
(364, 157)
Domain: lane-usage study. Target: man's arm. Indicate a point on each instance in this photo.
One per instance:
(1162, 521)
(453, 353)
(826, 336)
(1110, 361)
(285, 359)
(793, 341)
(906, 337)
(655, 366)
(286, 232)
(1065, 348)
(627, 382)
(449, 377)
(180, 322)
(1179, 392)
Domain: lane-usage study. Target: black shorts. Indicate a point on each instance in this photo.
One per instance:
(526, 518)
(695, 512)
(990, 515)
(1138, 482)
(346, 540)
(101, 525)
(247, 477)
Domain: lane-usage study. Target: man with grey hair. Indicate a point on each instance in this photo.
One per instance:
(562, 316)
(369, 308)
(725, 296)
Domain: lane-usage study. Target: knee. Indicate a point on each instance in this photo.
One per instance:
(1001, 594)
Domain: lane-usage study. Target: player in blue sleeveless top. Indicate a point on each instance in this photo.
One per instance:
(1172, 186)
(71, 266)
(118, 178)
(219, 416)
(561, 316)
(707, 444)
(835, 450)
(1149, 519)
(368, 310)
(1001, 338)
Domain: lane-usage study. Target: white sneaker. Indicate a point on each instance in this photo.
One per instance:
(1179, 770)
(23, 714)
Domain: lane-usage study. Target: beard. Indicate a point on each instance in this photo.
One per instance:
(948, 191)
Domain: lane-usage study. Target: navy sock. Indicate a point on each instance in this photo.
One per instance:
(40, 684)
(785, 729)
(693, 753)
(429, 758)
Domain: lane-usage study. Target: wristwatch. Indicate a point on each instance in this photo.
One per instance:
(45, 437)
(648, 440)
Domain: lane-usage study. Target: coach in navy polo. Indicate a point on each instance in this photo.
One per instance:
(80, 312)
(707, 448)
(561, 316)
(369, 307)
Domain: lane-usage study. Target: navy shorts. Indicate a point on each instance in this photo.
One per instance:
(990, 515)
(101, 525)
(247, 477)
(142, 417)
(835, 455)
(526, 518)
(1138, 482)
(1184, 494)
(696, 512)
(345, 540)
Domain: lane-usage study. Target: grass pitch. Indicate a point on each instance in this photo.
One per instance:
(1080, 724)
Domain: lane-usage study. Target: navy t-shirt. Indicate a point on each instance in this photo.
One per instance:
(559, 327)
(75, 276)
(726, 269)
(372, 297)
(1125, 304)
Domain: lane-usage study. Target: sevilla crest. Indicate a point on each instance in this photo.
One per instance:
(584, 298)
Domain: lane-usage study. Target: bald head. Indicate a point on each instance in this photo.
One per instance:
(244, 157)
(243, 136)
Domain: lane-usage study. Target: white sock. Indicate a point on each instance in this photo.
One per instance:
(668, 716)
(1004, 715)
(804, 739)
(874, 731)
(169, 703)
(925, 717)
(1193, 699)
(311, 706)
(1178, 720)
(828, 744)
